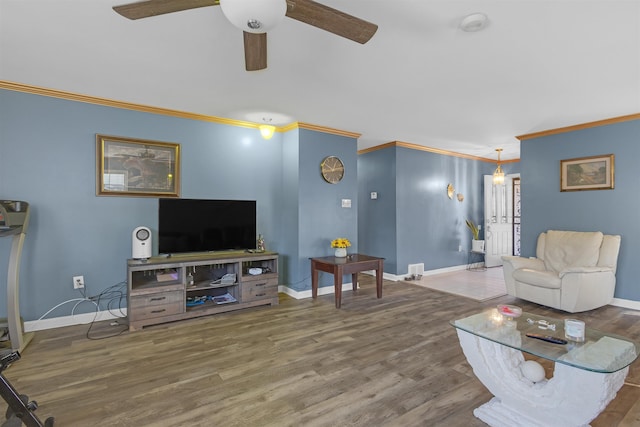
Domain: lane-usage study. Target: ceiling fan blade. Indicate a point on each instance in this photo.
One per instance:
(255, 51)
(148, 8)
(332, 20)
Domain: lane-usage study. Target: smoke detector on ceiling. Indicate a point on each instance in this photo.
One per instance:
(474, 22)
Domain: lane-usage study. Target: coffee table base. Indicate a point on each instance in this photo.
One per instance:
(572, 398)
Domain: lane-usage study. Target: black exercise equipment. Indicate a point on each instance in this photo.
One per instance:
(20, 410)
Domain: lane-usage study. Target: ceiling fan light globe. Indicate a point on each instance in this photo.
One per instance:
(254, 16)
(267, 131)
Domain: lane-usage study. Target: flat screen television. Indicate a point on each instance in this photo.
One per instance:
(200, 225)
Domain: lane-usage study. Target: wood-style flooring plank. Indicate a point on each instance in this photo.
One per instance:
(394, 361)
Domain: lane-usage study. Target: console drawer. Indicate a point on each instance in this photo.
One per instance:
(259, 289)
(156, 305)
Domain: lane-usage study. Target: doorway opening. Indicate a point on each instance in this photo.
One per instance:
(502, 213)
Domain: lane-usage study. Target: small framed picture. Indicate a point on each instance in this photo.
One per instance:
(137, 167)
(587, 173)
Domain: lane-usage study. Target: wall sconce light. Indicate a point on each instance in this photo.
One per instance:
(267, 130)
(450, 191)
(498, 174)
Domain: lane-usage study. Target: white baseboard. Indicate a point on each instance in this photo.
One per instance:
(445, 270)
(77, 319)
(324, 290)
(397, 278)
(625, 303)
(87, 318)
(347, 286)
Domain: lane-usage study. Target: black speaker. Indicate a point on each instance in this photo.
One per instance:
(141, 243)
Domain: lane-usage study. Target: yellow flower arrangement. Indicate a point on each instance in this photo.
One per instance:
(340, 242)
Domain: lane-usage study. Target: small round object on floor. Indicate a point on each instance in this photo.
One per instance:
(533, 371)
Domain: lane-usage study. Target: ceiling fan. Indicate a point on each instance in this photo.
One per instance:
(255, 17)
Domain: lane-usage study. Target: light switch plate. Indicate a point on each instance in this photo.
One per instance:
(346, 203)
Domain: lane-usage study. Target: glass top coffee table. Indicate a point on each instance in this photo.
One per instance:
(586, 377)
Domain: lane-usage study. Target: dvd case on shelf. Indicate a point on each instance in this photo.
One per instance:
(224, 299)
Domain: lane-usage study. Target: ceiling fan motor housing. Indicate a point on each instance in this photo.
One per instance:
(254, 16)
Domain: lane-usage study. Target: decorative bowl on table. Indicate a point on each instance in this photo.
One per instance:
(511, 311)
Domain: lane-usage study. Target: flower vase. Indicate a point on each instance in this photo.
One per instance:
(341, 252)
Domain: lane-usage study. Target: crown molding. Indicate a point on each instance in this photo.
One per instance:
(587, 125)
(54, 93)
(433, 150)
(325, 129)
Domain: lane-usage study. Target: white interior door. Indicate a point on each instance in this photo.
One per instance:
(498, 220)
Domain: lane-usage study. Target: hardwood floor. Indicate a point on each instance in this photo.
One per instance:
(389, 362)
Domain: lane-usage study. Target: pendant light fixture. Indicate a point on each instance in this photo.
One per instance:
(266, 130)
(498, 174)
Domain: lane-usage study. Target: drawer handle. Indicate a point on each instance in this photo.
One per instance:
(157, 298)
(159, 311)
(261, 284)
(260, 295)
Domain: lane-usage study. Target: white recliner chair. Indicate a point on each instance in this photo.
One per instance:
(573, 271)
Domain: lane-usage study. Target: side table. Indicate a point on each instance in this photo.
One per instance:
(339, 266)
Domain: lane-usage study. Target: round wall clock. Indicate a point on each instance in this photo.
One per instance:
(332, 169)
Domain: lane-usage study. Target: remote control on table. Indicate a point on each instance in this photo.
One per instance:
(547, 338)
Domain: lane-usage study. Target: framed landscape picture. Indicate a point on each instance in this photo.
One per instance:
(587, 173)
(137, 167)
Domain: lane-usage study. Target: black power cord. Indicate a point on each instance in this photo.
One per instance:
(112, 297)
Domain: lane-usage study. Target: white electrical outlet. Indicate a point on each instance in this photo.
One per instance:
(78, 282)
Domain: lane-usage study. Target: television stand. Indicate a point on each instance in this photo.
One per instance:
(167, 289)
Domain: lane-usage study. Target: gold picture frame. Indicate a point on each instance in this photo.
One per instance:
(587, 173)
(137, 167)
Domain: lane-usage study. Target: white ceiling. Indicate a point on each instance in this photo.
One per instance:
(538, 65)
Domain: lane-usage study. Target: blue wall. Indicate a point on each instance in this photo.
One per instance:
(289, 264)
(321, 215)
(615, 211)
(377, 218)
(413, 220)
(48, 158)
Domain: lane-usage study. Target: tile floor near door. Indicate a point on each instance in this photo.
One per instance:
(480, 285)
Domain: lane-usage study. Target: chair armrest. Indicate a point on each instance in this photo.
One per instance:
(517, 262)
(512, 263)
(586, 288)
(579, 270)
